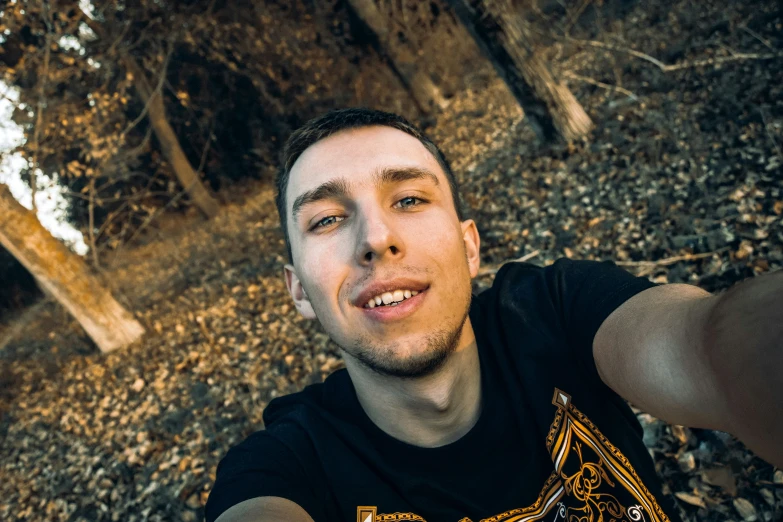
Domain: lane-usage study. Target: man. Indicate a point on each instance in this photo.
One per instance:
(505, 406)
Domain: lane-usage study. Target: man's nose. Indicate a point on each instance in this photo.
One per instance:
(377, 237)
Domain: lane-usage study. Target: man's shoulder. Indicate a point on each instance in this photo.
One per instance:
(561, 277)
(290, 421)
(563, 265)
(314, 400)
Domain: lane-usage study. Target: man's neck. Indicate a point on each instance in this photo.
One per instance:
(430, 411)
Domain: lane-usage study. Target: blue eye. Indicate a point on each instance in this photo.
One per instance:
(409, 198)
(322, 224)
(410, 201)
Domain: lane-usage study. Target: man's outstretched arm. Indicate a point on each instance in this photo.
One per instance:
(702, 360)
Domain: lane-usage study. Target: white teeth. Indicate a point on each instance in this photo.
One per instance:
(390, 298)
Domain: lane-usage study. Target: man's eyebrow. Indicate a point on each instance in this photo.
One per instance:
(332, 189)
(338, 188)
(391, 175)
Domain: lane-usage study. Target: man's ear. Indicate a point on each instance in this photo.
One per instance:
(297, 291)
(472, 241)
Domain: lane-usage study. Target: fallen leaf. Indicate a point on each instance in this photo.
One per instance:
(682, 433)
(687, 462)
(691, 499)
(721, 477)
(745, 509)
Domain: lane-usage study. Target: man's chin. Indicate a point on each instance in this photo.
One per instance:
(411, 368)
(438, 347)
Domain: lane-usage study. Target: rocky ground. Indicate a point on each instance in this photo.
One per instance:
(682, 181)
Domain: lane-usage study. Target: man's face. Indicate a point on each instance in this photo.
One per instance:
(371, 213)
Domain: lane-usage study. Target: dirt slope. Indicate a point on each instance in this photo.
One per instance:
(687, 164)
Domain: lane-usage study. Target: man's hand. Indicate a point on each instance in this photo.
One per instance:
(691, 358)
(265, 509)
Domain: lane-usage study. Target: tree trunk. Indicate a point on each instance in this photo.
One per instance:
(501, 35)
(64, 276)
(425, 93)
(169, 143)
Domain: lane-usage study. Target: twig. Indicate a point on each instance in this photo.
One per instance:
(603, 85)
(91, 214)
(682, 65)
(494, 269)
(4, 97)
(158, 89)
(117, 40)
(727, 48)
(44, 75)
(574, 17)
(602, 45)
(207, 145)
(758, 37)
(670, 260)
(138, 149)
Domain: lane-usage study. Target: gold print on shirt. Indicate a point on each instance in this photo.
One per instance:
(369, 514)
(590, 474)
(593, 472)
(583, 485)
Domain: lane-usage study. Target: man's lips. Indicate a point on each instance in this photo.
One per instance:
(382, 286)
(390, 313)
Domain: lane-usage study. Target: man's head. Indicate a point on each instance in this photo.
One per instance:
(369, 206)
(335, 121)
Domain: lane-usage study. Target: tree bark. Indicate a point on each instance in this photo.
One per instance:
(501, 34)
(64, 276)
(425, 93)
(169, 143)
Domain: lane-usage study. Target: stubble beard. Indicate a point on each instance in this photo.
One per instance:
(383, 359)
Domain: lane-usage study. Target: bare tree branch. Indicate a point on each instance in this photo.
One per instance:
(602, 85)
(207, 145)
(493, 269)
(682, 65)
(758, 37)
(648, 267)
(91, 224)
(158, 89)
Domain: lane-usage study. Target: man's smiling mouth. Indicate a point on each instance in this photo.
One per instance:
(395, 310)
(390, 298)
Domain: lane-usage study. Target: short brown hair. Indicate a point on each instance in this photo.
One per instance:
(335, 121)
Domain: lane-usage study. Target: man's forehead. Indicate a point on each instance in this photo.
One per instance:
(356, 155)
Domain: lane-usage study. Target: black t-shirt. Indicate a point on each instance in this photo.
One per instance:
(552, 443)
